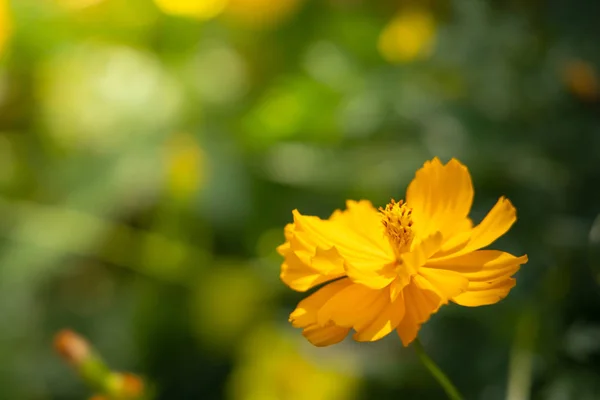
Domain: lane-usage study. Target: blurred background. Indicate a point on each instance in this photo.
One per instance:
(152, 151)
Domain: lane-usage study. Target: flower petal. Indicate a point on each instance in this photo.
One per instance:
(348, 305)
(305, 313)
(420, 304)
(440, 197)
(498, 221)
(422, 251)
(363, 218)
(372, 278)
(327, 335)
(482, 294)
(495, 224)
(301, 275)
(482, 265)
(363, 320)
(352, 245)
(384, 323)
(412, 261)
(446, 284)
(316, 250)
(489, 273)
(457, 240)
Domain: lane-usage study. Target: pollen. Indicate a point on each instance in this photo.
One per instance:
(397, 220)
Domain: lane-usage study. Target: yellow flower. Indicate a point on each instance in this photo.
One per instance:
(393, 268)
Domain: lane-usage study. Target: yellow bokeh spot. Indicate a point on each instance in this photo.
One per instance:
(273, 367)
(408, 37)
(259, 13)
(185, 163)
(199, 9)
(225, 303)
(5, 24)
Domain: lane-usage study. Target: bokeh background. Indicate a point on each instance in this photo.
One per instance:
(152, 151)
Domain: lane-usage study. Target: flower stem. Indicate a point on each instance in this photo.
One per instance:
(437, 373)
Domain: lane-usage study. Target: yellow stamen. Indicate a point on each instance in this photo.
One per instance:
(396, 218)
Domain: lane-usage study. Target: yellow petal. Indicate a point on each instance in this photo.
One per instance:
(288, 231)
(498, 221)
(306, 312)
(483, 293)
(301, 276)
(348, 305)
(365, 318)
(396, 288)
(488, 271)
(420, 304)
(440, 197)
(446, 284)
(316, 250)
(412, 261)
(363, 218)
(482, 265)
(327, 261)
(422, 251)
(283, 248)
(372, 278)
(457, 239)
(327, 335)
(384, 323)
(495, 224)
(306, 266)
(351, 244)
(408, 329)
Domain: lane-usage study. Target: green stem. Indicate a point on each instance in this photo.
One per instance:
(437, 373)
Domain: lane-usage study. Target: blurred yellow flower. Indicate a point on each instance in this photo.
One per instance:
(225, 303)
(410, 35)
(261, 13)
(199, 9)
(185, 162)
(392, 269)
(5, 24)
(273, 368)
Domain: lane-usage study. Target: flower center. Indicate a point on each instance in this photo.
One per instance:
(396, 218)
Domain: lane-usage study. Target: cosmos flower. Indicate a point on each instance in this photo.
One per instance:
(390, 269)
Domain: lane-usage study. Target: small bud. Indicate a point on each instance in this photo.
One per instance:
(132, 385)
(72, 347)
(581, 78)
